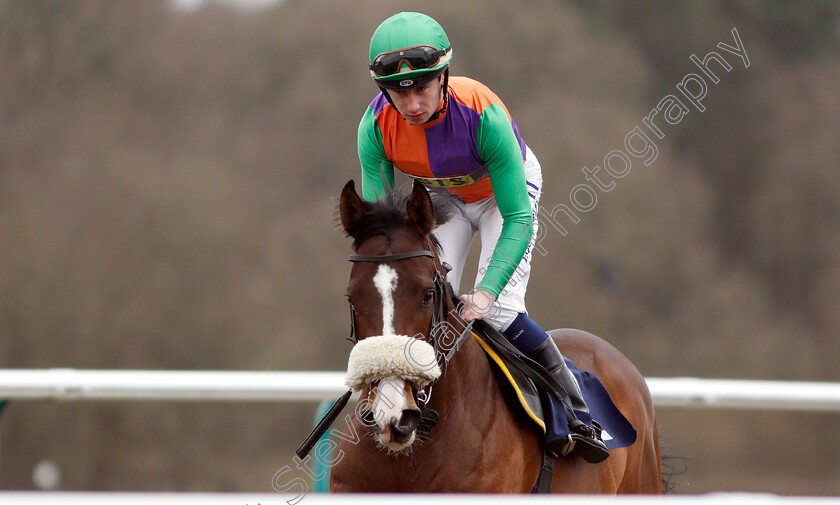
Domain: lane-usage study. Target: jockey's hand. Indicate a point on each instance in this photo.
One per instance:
(477, 305)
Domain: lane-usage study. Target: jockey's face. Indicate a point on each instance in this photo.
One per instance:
(417, 105)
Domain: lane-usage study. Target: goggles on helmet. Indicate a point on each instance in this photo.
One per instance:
(417, 58)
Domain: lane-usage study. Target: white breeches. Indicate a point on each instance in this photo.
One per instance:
(484, 217)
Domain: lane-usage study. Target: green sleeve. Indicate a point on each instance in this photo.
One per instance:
(377, 170)
(500, 150)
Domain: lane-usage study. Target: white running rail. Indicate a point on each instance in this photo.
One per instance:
(72, 384)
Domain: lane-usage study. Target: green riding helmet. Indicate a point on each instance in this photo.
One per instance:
(408, 50)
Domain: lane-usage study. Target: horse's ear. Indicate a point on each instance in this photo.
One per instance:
(420, 209)
(351, 207)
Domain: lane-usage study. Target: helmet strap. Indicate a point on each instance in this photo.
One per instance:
(384, 91)
(445, 90)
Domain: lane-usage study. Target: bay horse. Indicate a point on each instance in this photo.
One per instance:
(481, 444)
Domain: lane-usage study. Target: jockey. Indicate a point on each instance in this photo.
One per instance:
(455, 136)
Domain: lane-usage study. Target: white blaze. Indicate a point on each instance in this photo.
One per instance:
(390, 400)
(385, 281)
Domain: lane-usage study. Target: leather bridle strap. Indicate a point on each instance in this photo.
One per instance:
(430, 417)
(390, 257)
(440, 290)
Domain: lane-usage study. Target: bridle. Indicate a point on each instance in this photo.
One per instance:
(428, 417)
(436, 326)
(382, 258)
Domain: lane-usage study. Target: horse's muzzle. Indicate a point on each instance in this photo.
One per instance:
(398, 433)
(402, 429)
(393, 416)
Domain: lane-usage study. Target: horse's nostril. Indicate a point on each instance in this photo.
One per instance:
(410, 419)
(402, 429)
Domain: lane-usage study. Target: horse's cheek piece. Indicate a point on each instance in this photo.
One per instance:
(376, 358)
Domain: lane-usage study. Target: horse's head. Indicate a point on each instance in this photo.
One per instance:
(397, 296)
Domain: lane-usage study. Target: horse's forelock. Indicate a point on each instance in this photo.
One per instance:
(388, 214)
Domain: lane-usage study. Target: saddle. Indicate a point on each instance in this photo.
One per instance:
(530, 386)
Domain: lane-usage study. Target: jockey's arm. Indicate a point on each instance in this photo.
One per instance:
(377, 169)
(502, 154)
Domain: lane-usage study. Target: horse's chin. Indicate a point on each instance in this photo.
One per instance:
(392, 446)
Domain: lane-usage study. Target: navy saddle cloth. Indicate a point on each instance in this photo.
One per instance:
(545, 410)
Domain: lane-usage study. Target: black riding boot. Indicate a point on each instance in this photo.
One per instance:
(584, 440)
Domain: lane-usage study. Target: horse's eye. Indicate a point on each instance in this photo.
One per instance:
(429, 296)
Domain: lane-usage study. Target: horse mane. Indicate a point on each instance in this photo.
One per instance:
(388, 214)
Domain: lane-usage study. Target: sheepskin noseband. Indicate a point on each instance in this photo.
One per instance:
(376, 358)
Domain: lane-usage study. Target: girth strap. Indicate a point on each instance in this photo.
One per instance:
(543, 485)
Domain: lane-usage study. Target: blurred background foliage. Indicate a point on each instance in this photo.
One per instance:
(167, 184)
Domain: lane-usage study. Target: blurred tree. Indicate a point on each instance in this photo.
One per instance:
(747, 128)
